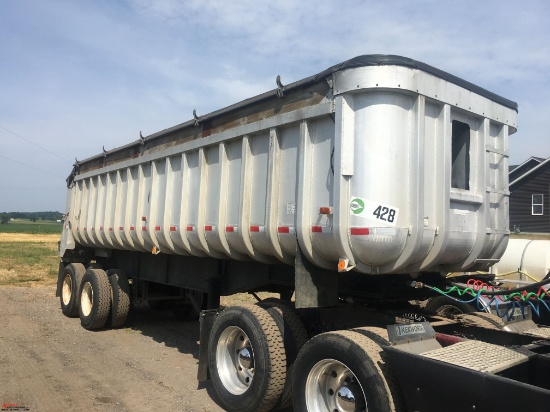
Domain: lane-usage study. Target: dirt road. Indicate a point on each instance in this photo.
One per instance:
(50, 363)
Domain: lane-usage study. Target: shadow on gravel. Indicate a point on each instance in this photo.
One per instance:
(163, 327)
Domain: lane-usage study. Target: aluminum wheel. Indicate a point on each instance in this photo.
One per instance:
(67, 289)
(235, 360)
(86, 299)
(331, 386)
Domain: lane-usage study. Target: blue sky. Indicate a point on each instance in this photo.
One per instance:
(79, 75)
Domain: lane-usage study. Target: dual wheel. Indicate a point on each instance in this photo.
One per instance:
(251, 354)
(259, 360)
(345, 371)
(98, 297)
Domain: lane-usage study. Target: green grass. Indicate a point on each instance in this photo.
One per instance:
(26, 226)
(28, 263)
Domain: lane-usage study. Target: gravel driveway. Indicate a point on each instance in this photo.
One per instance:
(50, 363)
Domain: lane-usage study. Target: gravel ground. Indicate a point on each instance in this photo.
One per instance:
(48, 362)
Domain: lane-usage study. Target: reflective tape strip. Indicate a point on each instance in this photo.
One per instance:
(321, 229)
(157, 228)
(257, 229)
(173, 228)
(286, 229)
(231, 229)
(190, 228)
(210, 228)
(359, 231)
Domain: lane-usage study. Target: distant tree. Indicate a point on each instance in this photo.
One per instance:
(4, 219)
(54, 216)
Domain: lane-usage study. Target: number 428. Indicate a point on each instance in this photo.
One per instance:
(385, 213)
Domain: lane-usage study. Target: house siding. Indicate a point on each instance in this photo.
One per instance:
(538, 182)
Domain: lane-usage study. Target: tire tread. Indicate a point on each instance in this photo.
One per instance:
(120, 305)
(372, 344)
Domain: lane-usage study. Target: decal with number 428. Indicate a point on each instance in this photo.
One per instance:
(368, 209)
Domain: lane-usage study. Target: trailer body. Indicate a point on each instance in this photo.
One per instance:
(383, 163)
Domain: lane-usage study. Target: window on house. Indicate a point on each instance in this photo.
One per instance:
(537, 203)
(460, 169)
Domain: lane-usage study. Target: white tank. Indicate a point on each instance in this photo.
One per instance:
(383, 162)
(528, 256)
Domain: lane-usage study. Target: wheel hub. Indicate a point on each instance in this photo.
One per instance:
(235, 360)
(347, 401)
(332, 387)
(87, 299)
(67, 289)
(246, 359)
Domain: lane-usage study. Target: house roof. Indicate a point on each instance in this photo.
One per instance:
(541, 164)
(518, 170)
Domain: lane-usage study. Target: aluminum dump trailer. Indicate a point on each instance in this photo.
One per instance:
(384, 162)
(338, 189)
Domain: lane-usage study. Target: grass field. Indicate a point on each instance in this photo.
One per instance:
(26, 226)
(28, 259)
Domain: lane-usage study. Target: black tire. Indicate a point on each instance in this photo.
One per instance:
(95, 299)
(495, 320)
(483, 320)
(70, 286)
(120, 297)
(185, 311)
(294, 338)
(246, 359)
(335, 362)
(447, 307)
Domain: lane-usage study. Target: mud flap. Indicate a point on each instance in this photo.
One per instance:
(207, 319)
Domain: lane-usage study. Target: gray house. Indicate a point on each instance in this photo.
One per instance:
(530, 196)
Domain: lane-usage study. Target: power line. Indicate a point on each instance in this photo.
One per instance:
(31, 142)
(32, 167)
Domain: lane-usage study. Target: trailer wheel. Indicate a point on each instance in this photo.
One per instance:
(344, 371)
(95, 299)
(294, 338)
(72, 277)
(246, 359)
(186, 311)
(447, 307)
(120, 297)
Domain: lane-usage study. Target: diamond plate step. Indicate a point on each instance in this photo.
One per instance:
(479, 356)
(539, 332)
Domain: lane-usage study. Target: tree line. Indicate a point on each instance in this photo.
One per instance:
(33, 216)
